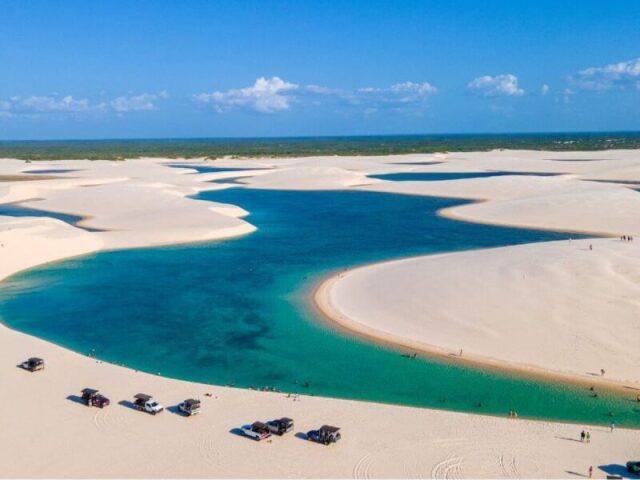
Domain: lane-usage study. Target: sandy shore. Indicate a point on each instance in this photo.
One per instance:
(144, 202)
(578, 293)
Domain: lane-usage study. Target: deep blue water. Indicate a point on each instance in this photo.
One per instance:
(437, 176)
(49, 171)
(237, 311)
(211, 169)
(15, 210)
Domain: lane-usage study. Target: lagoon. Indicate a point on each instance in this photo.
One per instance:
(237, 312)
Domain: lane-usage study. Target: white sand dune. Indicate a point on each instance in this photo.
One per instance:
(557, 305)
(139, 203)
(308, 178)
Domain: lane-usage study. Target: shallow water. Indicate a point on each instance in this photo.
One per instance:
(237, 311)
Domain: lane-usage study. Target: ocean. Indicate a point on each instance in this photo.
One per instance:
(308, 146)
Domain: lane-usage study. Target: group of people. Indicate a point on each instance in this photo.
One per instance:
(513, 414)
(585, 436)
(626, 238)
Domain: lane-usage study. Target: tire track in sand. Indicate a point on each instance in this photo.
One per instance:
(362, 468)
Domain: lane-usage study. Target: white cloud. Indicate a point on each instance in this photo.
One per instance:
(266, 95)
(49, 104)
(616, 75)
(320, 90)
(277, 95)
(493, 86)
(56, 104)
(544, 89)
(400, 96)
(137, 103)
(415, 89)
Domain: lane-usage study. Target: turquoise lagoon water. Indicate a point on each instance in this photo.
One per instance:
(236, 312)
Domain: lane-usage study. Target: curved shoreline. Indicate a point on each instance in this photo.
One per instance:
(389, 447)
(321, 303)
(452, 214)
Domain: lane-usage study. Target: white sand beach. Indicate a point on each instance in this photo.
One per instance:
(555, 307)
(561, 308)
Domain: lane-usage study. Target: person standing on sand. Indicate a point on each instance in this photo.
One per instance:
(612, 426)
(588, 437)
(582, 435)
(590, 471)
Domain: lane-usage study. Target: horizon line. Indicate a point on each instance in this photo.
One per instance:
(303, 137)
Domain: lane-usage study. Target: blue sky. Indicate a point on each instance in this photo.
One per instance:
(117, 69)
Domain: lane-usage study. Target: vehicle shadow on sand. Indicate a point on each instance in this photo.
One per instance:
(76, 399)
(128, 404)
(237, 431)
(616, 469)
(176, 411)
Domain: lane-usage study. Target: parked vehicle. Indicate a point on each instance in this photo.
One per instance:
(325, 435)
(146, 403)
(257, 430)
(280, 426)
(33, 364)
(94, 399)
(190, 407)
(634, 467)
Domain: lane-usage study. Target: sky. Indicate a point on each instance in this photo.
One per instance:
(177, 69)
